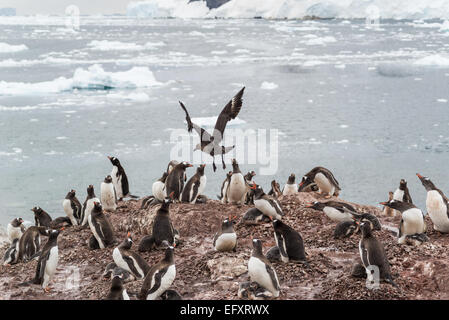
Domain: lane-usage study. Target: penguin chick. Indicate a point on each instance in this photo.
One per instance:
(289, 242)
(249, 193)
(15, 229)
(345, 229)
(254, 216)
(112, 269)
(275, 190)
(160, 277)
(129, 260)
(30, 242)
(171, 295)
(226, 238)
(12, 253)
(273, 254)
(117, 291)
(224, 187)
(372, 253)
(41, 217)
(261, 271)
(290, 187)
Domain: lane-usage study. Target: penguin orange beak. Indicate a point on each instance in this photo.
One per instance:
(129, 234)
(309, 205)
(203, 165)
(419, 176)
(383, 203)
(253, 186)
(62, 229)
(171, 195)
(174, 244)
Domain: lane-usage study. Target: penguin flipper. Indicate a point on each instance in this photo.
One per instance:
(157, 280)
(273, 276)
(276, 206)
(280, 244)
(131, 266)
(196, 186)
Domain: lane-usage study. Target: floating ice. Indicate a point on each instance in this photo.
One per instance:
(268, 85)
(167, 8)
(106, 45)
(315, 40)
(433, 60)
(94, 78)
(134, 96)
(6, 48)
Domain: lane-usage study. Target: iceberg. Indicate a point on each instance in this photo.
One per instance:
(6, 48)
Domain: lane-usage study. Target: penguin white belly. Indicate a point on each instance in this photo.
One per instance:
(266, 208)
(223, 191)
(166, 281)
(50, 266)
(336, 215)
(324, 184)
(398, 195)
(226, 242)
(119, 261)
(13, 232)
(202, 187)
(237, 188)
(290, 189)
(117, 181)
(94, 232)
(437, 210)
(413, 221)
(107, 196)
(159, 190)
(125, 295)
(258, 273)
(88, 210)
(66, 204)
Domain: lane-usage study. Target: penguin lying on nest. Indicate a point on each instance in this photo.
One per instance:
(129, 260)
(252, 291)
(254, 216)
(225, 238)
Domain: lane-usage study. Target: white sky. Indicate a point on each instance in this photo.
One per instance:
(26, 7)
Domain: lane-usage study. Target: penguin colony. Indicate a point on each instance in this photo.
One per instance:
(128, 264)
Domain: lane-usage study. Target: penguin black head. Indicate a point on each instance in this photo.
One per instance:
(16, 222)
(426, 182)
(127, 243)
(291, 179)
(53, 234)
(394, 204)
(71, 194)
(227, 224)
(278, 224)
(249, 176)
(365, 227)
(169, 252)
(258, 191)
(114, 161)
(306, 180)
(98, 208)
(185, 165)
(108, 179)
(235, 165)
(200, 169)
(316, 205)
(257, 245)
(403, 184)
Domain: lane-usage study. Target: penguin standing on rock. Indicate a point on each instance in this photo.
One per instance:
(250, 193)
(158, 188)
(237, 186)
(117, 291)
(226, 238)
(275, 190)
(12, 253)
(129, 260)
(325, 180)
(160, 277)
(15, 229)
(372, 253)
(30, 242)
(261, 271)
(119, 179)
(224, 187)
(289, 242)
(72, 208)
(88, 204)
(437, 205)
(334, 210)
(108, 196)
(162, 229)
(41, 217)
(175, 180)
(412, 221)
(103, 233)
(291, 187)
(266, 204)
(402, 194)
(195, 186)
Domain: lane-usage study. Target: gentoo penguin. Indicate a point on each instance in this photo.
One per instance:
(289, 242)
(48, 261)
(103, 233)
(254, 216)
(334, 210)
(148, 202)
(365, 217)
(252, 291)
(237, 186)
(72, 208)
(290, 187)
(129, 260)
(412, 221)
(30, 242)
(345, 229)
(225, 239)
(15, 229)
(12, 253)
(372, 253)
(210, 144)
(224, 187)
(117, 291)
(402, 193)
(387, 211)
(268, 205)
(162, 229)
(112, 269)
(119, 179)
(195, 186)
(160, 277)
(275, 190)
(325, 180)
(60, 222)
(175, 180)
(171, 295)
(88, 204)
(261, 271)
(437, 205)
(249, 193)
(107, 195)
(158, 188)
(171, 166)
(41, 217)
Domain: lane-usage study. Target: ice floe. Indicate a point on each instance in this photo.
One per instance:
(7, 48)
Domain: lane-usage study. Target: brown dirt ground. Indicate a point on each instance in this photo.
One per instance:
(203, 273)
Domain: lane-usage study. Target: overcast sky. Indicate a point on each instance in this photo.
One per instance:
(25, 7)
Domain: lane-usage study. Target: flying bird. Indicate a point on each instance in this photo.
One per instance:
(210, 144)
